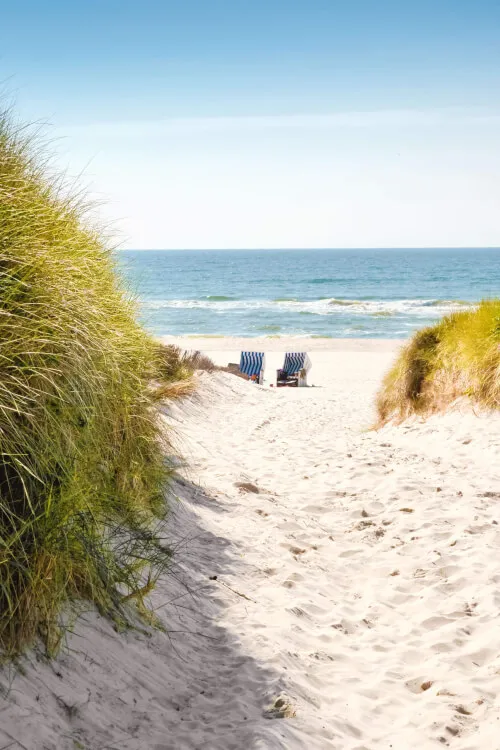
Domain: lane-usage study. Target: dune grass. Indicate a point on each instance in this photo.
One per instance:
(175, 364)
(459, 356)
(82, 453)
(175, 369)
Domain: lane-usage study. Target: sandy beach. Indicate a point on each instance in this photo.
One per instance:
(332, 586)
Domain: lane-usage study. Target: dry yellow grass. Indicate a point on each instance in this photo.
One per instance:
(176, 389)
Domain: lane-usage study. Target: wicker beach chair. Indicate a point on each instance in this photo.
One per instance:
(294, 370)
(252, 364)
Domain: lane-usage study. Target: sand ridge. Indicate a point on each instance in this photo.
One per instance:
(341, 578)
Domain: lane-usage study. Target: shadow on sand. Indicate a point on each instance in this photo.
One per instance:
(193, 686)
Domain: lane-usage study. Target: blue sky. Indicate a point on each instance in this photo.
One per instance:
(218, 123)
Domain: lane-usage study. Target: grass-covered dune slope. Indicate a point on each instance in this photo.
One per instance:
(459, 356)
(82, 465)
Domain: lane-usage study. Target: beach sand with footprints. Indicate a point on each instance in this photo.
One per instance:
(332, 586)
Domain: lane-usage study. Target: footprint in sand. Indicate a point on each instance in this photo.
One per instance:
(247, 487)
(419, 685)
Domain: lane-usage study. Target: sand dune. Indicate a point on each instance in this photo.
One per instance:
(333, 587)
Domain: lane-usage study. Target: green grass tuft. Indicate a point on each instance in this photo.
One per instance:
(82, 455)
(459, 356)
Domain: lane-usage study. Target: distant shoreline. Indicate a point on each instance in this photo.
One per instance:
(282, 343)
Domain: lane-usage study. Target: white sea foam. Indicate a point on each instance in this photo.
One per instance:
(424, 308)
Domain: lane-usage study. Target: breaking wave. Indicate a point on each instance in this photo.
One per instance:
(330, 306)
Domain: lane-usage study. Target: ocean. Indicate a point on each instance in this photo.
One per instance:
(333, 293)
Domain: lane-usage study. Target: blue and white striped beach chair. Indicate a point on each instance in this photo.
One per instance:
(253, 364)
(295, 367)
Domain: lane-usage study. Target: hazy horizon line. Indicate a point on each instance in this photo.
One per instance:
(300, 249)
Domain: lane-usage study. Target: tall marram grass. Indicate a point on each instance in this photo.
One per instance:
(459, 356)
(82, 466)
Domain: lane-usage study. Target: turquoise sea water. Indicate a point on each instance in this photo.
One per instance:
(336, 293)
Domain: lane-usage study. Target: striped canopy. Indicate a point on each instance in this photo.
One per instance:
(295, 362)
(251, 363)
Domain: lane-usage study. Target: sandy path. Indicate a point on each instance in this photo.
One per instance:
(359, 584)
